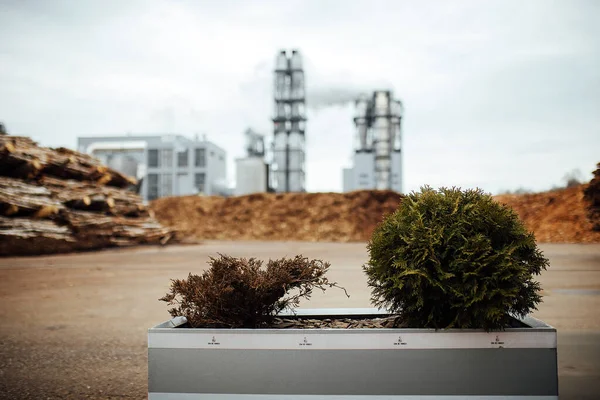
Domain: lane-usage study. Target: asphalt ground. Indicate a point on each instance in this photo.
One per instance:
(75, 326)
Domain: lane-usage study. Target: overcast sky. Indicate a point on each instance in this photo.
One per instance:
(497, 94)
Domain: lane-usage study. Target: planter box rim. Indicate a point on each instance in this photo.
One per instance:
(533, 324)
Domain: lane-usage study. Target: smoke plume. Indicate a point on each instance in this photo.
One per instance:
(324, 97)
(331, 94)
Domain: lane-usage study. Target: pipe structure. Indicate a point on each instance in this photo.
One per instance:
(378, 123)
(289, 123)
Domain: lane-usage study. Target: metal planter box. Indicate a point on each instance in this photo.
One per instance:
(384, 364)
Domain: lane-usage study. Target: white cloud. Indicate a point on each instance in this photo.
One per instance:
(497, 94)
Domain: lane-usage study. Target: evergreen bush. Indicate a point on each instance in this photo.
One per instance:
(454, 259)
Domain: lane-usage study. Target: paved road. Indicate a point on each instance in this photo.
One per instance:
(74, 326)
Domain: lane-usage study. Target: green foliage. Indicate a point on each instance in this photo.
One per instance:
(239, 292)
(454, 259)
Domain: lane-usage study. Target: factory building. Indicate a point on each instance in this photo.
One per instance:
(377, 158)
(252, 172)
(165, 165)
(287, 166)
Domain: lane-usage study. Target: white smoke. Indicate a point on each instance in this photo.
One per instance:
(324, 97)
(327, 95)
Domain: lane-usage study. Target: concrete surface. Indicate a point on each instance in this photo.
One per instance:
(74, 326)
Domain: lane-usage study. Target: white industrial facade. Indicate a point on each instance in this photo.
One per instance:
(362, 175)
(252, 172)
(251, 175)
(167, 165)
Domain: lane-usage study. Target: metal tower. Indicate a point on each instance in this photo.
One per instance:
(386, 116)
(378, 154)
(289, 124)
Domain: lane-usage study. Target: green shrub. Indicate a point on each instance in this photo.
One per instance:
(454, 259)
(239, 292)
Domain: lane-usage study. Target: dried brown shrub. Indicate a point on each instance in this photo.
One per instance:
(239, 292)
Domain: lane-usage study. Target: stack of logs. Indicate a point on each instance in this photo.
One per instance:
(58, 200)
(592, 196)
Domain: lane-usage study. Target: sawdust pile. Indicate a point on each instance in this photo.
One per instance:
(557, 216)
(592, 197)
(59, 200)
(335, 217)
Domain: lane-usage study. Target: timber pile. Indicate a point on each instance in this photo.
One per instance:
(21, 157)
(59, 200)
(592, 197)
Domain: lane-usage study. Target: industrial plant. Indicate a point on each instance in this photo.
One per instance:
(378, 147)
(173, 165)
(377, 158)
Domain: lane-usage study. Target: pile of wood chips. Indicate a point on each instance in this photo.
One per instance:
(59, 200)
(327, 217)
(557, 216)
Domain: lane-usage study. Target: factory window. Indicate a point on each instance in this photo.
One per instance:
(166, 158)
(199, 181)
(364, 175)
(200, 158)
(182, 158)
(152, 186)
(212, 153)
(153, 158)
(221, 158)
(166, 185)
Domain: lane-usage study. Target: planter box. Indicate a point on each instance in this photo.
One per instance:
(519, 363)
